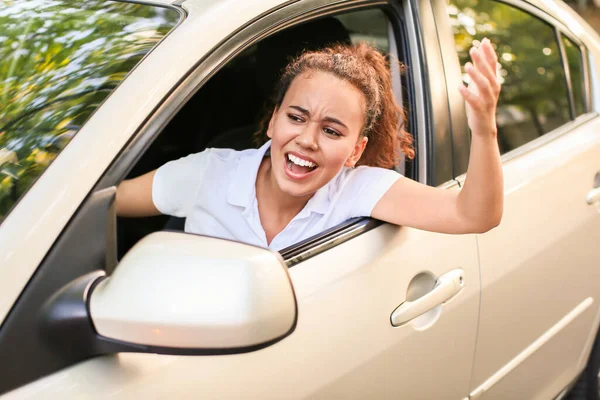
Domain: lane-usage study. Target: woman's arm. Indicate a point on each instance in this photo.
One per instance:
(478, 206)
(134, 197)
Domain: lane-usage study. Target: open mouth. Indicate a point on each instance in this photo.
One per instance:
(298, 167)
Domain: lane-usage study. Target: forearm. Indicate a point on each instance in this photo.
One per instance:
(480, 202)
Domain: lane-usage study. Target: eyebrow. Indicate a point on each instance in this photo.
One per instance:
(328, 119)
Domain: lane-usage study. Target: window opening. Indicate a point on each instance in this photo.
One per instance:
(534, 97)
(226, 111)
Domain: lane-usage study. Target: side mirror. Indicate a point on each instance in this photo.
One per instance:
(177, 293)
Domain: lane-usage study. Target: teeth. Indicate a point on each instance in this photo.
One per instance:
(300, 162)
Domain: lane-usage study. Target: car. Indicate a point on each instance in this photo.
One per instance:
(95, 306)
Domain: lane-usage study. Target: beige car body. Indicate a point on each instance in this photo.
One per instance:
(346, 294)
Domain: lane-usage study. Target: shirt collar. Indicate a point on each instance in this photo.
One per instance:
(242, 188)
(318, 203)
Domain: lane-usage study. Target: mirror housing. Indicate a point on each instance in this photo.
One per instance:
(177, 293)
(179, 290)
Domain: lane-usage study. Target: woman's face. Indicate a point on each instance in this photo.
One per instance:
(315, 132)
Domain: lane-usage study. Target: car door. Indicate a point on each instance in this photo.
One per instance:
(349, 282)
(539, 268)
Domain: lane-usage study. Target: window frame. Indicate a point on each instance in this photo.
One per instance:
(563, 30)
(585, 70)
(460, 133)
(437, 138)
(560, 28)
(248, 35)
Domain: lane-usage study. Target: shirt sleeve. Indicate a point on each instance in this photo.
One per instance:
(365, 186)
(176, 183)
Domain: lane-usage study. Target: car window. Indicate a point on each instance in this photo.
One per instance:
(534, 96)
(367, 26)
(206, 120)
(575, 62)
(59, 59)
(254, 73)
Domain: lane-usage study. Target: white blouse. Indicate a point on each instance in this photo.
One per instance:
(215, 191)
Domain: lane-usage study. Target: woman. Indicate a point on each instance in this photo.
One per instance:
(334, 133)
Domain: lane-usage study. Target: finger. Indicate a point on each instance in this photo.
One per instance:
(482, 64)
(482, 82)
(471, 98)
(490, 55)
(488, 64)
(488, 51)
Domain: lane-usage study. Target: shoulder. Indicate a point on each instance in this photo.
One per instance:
(212, 157)
(362, 187)
(365, 174)
(228, 156)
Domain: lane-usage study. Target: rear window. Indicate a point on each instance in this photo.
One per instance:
(534, 99)
(59, 60)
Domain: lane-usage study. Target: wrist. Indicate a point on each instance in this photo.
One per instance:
(486, 131)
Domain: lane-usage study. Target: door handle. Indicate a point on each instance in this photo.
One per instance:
(593, 196)
(446, 287)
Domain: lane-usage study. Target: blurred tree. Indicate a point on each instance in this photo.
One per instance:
(534, 97)
(59, 60)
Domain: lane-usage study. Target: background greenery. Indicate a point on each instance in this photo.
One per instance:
(534, 97)
(59, 59)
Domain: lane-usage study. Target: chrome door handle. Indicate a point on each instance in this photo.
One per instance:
(593, 196)
(447, 286)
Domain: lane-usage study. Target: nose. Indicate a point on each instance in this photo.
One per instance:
(308, 137)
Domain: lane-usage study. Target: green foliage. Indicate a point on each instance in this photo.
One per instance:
(59, 60)
(534, 97)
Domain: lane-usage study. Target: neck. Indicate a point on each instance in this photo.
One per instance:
(275, 207)
(269, 193)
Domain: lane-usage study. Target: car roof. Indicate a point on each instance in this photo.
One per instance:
(557, 9)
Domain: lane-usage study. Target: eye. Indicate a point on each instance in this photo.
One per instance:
(331, 132)
(295, 118)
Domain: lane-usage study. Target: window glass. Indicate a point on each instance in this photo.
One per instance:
(534, 98)
(59, 59)
(369, 26)
(574, 59)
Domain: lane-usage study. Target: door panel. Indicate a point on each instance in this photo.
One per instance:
(372, 359)
(344, 345)
(540, 265)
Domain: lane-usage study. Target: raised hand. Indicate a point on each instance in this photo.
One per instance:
(481, 94)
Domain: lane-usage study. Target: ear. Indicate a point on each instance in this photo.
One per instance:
(357, 152)
(270, 126)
